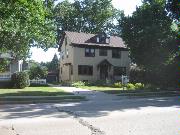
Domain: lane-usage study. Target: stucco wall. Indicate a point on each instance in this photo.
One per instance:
(80, 59)
(77, 57)
(65, 75)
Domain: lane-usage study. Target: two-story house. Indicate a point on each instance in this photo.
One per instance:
(91, 57)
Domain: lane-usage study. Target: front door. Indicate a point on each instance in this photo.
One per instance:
(103, 72)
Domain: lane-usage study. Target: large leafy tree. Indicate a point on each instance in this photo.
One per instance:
(26, 23)
(150, 38)
(90, 16)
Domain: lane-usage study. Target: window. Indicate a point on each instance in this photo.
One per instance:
(119, 71)
(116, 53)
(67, 53)
(62, 55)
(102, 52)
(85, 70)
(89, 52)
(71, 69)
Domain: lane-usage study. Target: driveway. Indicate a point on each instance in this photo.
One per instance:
(102, 114)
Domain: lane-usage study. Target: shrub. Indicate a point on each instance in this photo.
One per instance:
(20, 80)
(130, 86)
(99, 83)
(139, 86)
(78, 83)
(117, 85)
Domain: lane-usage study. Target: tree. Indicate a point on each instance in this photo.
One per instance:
(24, 24)
(53, 65)
(173, 8)
(152, 43)
(4, 63)
(91, 16)
(38, 72)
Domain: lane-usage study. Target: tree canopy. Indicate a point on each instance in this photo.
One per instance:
(148, 34)
(24, 24)
(91, 16)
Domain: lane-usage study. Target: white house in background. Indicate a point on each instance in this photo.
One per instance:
(14, 66)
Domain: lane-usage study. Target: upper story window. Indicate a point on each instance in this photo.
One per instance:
(89, 52)
(102, 52)
(67, 53)
(62, 55)
(116, 53)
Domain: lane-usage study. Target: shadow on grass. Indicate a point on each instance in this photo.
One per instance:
(35, 93)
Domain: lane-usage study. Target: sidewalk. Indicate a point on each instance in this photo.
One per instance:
(89, 94)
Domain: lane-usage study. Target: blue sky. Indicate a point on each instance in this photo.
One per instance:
(127, 5)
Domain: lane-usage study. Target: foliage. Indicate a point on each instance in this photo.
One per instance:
(78, 84)
(130, 86)
(24, 24)
(117, 85)
(4, 63)
(173, 8)
(139, 86)
(91, 16)
(53, 65)
(20, 80)
(152, 43)
(99, 83)
(137, 75)
(38, 72)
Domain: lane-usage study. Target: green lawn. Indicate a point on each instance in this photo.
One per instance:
(141, 93)
(110, 90)
(33, 91)
(36, 95)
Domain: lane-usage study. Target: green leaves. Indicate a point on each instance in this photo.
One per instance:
(24, 24)
(150, 38)
(91, 16)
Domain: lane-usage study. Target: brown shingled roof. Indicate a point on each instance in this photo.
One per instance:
(84, 39)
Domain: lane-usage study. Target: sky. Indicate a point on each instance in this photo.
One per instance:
(127, 5)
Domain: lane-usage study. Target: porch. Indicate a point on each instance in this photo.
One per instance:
(5, 76)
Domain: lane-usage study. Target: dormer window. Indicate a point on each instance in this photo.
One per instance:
(97, 39)
(103, 38)
(107, 40)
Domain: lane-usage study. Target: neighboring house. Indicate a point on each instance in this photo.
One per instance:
(14, 66)
(91, 57)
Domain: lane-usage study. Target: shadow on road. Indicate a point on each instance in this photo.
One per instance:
(91, 108)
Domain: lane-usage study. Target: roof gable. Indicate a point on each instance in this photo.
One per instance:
(79, 38)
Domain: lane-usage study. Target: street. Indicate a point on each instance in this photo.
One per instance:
(102, 114)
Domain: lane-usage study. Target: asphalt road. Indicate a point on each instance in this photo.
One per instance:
(101, 115)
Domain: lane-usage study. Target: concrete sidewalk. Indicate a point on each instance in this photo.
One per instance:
(89, 94)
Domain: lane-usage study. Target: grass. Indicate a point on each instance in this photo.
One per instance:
(125, 92)
(110, 90)
(36, 95)
(33, 91)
